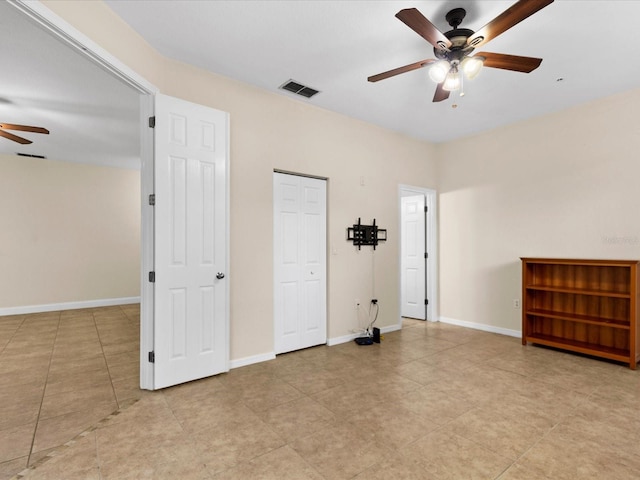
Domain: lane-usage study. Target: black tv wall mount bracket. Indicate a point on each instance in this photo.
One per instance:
(366, 234)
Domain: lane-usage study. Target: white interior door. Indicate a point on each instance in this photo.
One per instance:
(413, 262)
(300, 285)
(190, 235)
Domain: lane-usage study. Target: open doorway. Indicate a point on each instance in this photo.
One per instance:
(140, 93)
(418, 253)
(72, 197)
(80, 352)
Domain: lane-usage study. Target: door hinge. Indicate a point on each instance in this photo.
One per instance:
(152, 122)
(152, 357)
(152, 277)
(426, 255)
(426, 209)
(152, 199)
(426, 302)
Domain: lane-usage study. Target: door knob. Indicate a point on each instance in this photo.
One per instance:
(220, 276)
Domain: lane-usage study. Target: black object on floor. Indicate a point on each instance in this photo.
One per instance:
(364, 341)
(376, 334)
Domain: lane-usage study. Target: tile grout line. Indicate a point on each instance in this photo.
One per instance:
(105, 359)
(545, 435)
(125, 313)
(44, 389)
(24, 317)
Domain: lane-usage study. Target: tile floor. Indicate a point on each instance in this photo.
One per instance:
(61, 373)
(433, 401)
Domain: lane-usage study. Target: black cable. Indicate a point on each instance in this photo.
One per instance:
(375, 318)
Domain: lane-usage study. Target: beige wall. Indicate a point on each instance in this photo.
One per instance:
(564, 185)
(70, 232)
(268, 132)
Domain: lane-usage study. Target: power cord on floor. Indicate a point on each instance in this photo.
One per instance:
(374, 303)
(371, 334)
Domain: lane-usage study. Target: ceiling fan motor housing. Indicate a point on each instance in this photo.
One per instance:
(459, 48)
(457, 36)
(454, 17)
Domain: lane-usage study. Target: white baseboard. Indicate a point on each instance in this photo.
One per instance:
(243, 362)
(391, 328)
(348, 338)
(343, 339)
(56, 307)
(265, 357)
(482, 326)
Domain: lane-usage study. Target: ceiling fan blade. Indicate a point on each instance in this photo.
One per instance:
(441, 94)
(23, 128)
(507, 19)
(510, 62)
(399, 70)
(417, 22)
(15, 138)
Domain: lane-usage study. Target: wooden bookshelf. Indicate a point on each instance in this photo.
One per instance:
(585, 306)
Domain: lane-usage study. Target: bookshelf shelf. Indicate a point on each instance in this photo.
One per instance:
(585, 306)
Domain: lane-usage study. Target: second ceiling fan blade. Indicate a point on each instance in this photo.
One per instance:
(399, 70)
(507, 19)
(15, 138)
(417, 22)
(23, 128)
(515, 63)
(441, 94)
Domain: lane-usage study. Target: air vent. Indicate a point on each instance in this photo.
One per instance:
(299, 89)
(29, 155)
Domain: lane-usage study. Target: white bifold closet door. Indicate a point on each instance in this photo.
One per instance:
(300, 272)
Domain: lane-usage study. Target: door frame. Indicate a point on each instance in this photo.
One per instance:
(413, 213)
(431, 240)
(78, 41)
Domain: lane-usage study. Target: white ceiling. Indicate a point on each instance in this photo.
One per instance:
(92, 116)
(332, 46)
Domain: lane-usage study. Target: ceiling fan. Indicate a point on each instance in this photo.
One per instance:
(22, 128)
(453, 48)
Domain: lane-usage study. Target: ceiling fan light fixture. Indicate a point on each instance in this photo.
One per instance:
(439, 70)
(452, 81)
(471, 66)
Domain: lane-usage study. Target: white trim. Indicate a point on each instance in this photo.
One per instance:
(147, 187)
(85, 46)
(243, 362)
(391, 328)
(56, 307)
(483, 327)
(343, 339)
(264, 357)
(227, 243)
(348, 338)
(432, 244)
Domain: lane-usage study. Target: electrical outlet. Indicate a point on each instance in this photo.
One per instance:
(357, 304)
(516, 303)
